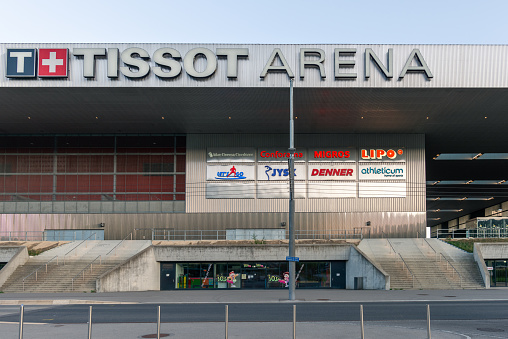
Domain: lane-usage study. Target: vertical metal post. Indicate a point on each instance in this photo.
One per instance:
(227, 321)
(158, 322)
(291, 218)
(90, 323)
(294, 321)
(428, 322)
(361, 322)
(21, 314)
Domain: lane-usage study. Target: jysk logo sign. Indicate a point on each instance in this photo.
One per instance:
(21, 63)
(274, 172)
(50, 62)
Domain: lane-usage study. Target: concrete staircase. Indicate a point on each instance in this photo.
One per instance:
(72, 267)
(423, 264)
(462, 262)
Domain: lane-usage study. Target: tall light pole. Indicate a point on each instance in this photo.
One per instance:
(291, 226)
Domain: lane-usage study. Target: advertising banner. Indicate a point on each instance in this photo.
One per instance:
(332, 190)
(237, 172)
(230, 190)
(231, 154)
(332, 171)
(382, 189)
(280, 154)
(382, 171)
(272, 172)
(279, 190)
(383, 154)
(333, 154)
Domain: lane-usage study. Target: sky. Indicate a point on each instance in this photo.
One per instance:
(253, 22)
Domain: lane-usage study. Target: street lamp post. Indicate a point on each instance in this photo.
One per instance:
(291, 226)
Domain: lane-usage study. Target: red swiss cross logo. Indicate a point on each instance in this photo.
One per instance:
(53, 62)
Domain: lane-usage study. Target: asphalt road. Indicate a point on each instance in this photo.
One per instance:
(250, 312)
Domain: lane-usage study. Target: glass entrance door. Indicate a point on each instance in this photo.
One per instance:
(254, 275)
(500, 273)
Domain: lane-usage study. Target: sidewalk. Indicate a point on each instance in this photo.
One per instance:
(313, 330)
(251, 296)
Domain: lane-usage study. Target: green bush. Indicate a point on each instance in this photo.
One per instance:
(468, 244)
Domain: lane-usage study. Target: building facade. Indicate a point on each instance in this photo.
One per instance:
(180, 137)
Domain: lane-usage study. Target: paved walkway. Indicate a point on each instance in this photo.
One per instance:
(251, 296)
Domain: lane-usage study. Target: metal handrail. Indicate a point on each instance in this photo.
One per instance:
(117, 245)
(448, 262)
(393, 249)
(38, 268)
(94, 233)
(157, 234)
(432, 248)
(408, 269)
(84, 269)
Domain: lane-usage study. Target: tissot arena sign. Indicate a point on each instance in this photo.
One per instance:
(235, 65)
(331, 172)
(214, 64)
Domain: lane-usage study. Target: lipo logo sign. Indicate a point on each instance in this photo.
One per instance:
(383, 154)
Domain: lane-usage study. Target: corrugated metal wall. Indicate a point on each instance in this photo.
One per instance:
(118, 226)
(402, 217)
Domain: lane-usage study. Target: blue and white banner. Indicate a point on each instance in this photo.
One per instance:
(236, 172)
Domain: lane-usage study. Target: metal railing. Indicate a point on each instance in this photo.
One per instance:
(21, 236)
(390, 243)
(471, 233)
(82, 241)
(450, 264)
(38, 268)
(404, 264)
(82, 272)
(432, 248)
(170, 234)
(118, 245)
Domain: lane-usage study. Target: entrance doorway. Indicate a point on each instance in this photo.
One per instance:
(167, 276)
(499, 273)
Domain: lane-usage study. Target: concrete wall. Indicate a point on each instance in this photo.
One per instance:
(6, 253)
(480, 260)
(493, 250)
(139, 273)
(142, 272)
(359, 265)
(17, 256)
(250, 252)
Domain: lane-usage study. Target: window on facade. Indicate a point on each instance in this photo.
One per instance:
(92, 168)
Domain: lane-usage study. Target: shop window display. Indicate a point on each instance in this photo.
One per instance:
(256, 275)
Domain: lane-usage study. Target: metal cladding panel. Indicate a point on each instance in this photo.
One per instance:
(118, 226)
(450, 65)
(414, 144)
